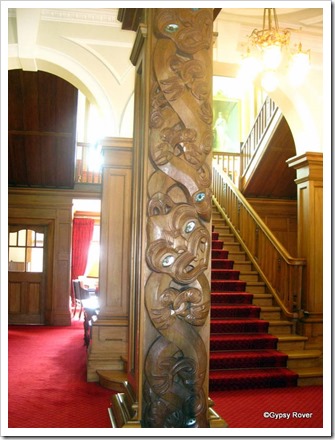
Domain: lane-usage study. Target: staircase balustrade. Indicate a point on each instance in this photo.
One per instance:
(84, 172)
(282, 273)
(229, 163)
(236, 165)
(251, 145)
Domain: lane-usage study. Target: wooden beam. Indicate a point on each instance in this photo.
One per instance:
(216, 12)
(130, 18)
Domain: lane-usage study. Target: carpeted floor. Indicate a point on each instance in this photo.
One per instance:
(297, 407)
(48, 389)
(47, 385)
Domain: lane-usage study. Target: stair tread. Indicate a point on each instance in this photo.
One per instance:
(252, 372)
(309, 371)
(255, 283)
(235, 306)
(280, 322)
(216, 320)
(243, 352)
(290, 337)
(248, 272)
(231, 292)
(263, 295)
(223, 260)
(258, 353)
(303, 354)
(112, 374)
(236, 336)
(270, 308)
(224, 270)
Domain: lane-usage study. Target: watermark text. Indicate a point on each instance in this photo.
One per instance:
(288, 415)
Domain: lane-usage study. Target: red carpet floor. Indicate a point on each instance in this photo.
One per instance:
(264, 408)
(48, 388)
(47, 385)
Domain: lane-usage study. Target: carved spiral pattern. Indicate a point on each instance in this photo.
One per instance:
(177, 292)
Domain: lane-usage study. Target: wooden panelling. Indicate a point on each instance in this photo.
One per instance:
(115, 229)
(25, 298)
(281, 217)
(110, 332)
(272, 177)
(14, 297)
(34, 297)
(42, 110)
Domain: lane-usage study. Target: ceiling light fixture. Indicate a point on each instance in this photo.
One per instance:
(267, 50)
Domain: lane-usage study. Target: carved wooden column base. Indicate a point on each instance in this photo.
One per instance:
(215, 421)
(123, 411)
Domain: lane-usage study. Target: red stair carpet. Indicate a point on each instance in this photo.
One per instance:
(242, 353)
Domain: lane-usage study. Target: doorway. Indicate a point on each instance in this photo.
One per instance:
(86, 215)
(28, 257)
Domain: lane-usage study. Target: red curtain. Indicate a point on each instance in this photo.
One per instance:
(82, 234)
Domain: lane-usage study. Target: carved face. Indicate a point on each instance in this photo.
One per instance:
(178, 244)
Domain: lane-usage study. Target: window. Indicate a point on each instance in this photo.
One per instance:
(25, 253)
(92, 267)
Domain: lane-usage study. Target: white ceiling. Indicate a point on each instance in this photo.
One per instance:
(233, 24)
(94, 36)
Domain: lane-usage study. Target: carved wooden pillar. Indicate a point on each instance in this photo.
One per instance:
(172, 217)
(309, 168)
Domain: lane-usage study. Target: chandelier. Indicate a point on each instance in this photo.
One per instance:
(267, 49)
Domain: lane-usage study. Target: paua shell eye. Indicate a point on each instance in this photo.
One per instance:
(190, 226)
(200, 197)
(172, 27)
(168, 260)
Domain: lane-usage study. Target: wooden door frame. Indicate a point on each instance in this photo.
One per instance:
(47, 257)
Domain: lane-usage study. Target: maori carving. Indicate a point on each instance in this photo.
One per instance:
(177, 291)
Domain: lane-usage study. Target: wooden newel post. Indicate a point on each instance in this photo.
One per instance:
(309, 168)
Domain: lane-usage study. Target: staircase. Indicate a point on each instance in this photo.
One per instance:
(251, 346)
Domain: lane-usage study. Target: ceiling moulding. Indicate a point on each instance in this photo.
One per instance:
(104, 17)
(93, 47)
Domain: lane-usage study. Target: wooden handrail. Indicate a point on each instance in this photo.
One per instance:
(281, 272)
